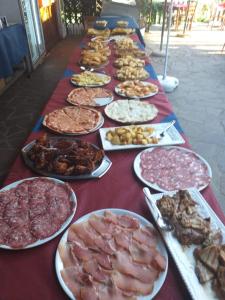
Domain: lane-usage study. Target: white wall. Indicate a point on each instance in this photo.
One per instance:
(10, 9)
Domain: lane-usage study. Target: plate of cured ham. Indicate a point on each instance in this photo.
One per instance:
(90, 96)
(172, 168)
(33, 211)
(75, 120)
(111, 254)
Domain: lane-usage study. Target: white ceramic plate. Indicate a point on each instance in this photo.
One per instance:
(183, 256)
(131, 111)
(119, 92)
(108, 79)
(172, 137)
(64, 225)
(137, 168)
(161, 248)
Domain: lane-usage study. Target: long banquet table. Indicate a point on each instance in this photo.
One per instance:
(30, 274)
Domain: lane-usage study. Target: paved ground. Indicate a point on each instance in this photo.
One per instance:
(23, 102)
(199, 101)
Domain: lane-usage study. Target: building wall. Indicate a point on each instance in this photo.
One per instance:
(10, 9)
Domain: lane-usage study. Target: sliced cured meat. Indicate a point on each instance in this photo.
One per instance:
(27, 214)
(66, 256)
(103, 228)
(92, 268)
(89, 293)
(110, 217)
(107, 246)
(123, 263)
(4, 229)
(103, 260)
(115, 268)
(70, 280)
(43, 227)
(80, 252)
(111, 292)
(130, 284)
(85, 233)
(142, 254)
(16, 214)
(145, 237)
(159, 262)
(129, 222)
(123, 239)
(173, 169)
(20, 237)
(59, 209)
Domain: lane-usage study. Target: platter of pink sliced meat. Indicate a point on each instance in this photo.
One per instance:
(172, 168)
(33, 211)
(111, 254)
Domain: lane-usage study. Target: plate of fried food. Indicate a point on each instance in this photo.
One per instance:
(131, 111)
(97, 32)
(136, 89)
(197, 243)
(65, 158)
(135, 52)
(129, 60)
(90, 79)
(94, 58)
(90, 96)
(119, 30)
(130, 73)
(122, 24)
(98, 44)
(139, 136)
(74, 120)
(125, 43)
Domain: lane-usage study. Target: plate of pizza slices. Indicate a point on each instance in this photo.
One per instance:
(90, 96)
(74, 120)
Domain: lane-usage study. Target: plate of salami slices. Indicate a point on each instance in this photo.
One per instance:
(34, 211)
(172, 168)
(109, 254)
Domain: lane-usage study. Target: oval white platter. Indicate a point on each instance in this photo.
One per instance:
(64, 225)
(183, 256)
(93, 85)
(146, 83)
(137, 168)
(160, 246)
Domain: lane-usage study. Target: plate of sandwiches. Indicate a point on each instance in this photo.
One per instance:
(136, 89)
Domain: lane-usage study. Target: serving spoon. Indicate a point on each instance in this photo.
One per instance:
(162, 222)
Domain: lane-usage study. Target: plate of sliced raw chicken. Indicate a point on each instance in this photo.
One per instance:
(111, 254)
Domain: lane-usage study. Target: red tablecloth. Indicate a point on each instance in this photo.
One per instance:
(30, 274)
